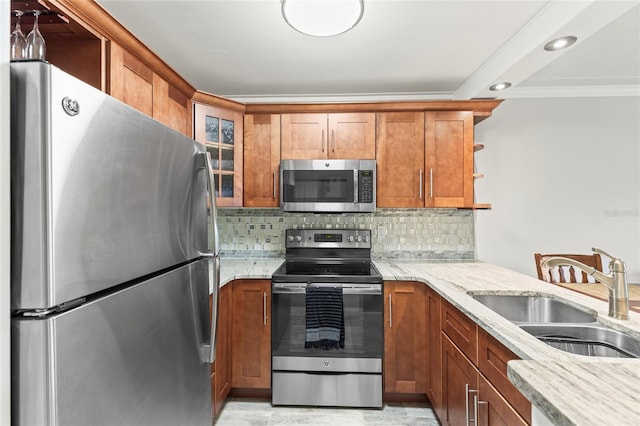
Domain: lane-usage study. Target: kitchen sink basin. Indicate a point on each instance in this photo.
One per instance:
(534, 309)
(586, 339)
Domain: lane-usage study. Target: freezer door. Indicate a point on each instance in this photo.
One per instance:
(101, 193)
(132, 358)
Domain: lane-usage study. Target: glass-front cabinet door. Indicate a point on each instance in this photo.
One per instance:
(221, 131)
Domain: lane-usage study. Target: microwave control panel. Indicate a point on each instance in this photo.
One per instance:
(365, 186)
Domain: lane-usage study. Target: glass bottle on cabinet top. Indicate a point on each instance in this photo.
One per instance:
(221, 132)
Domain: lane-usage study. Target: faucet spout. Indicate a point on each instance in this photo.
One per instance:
(615, 281)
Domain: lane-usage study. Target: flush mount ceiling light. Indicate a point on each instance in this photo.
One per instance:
(500, 86)
(322, 18)
(560, 43)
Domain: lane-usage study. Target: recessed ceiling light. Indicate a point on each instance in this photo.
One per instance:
(322, 18)
(560, 43)
(500, 86)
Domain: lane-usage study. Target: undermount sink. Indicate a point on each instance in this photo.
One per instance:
(534, 309)
(586, 339)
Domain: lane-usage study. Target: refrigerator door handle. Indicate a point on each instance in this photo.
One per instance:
(209, 350)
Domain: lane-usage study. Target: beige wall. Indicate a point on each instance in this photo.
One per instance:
(563, 175)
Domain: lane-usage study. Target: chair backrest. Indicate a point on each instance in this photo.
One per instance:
(567, 274)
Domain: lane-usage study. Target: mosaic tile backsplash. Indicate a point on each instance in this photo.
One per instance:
(396, 233)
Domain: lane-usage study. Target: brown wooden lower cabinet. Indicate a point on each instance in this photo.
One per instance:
(493, 409)
(434, 352)
(251, 334)
(223, 350)
(404, 339)
(460, 382)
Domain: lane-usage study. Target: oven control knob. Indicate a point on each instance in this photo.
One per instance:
(365, 238)
(358, 238)
(298, 238)
(290, 238)
(350, 238)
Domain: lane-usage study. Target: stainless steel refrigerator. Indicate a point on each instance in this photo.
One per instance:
(113, 257)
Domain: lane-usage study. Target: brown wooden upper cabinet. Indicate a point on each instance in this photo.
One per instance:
(261, 160)
(425, 159)
(221, 131)
(319, 136)
(137, 85)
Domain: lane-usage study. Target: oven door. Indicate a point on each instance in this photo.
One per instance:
(363, 329)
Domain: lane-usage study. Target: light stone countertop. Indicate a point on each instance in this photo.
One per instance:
(568, 389)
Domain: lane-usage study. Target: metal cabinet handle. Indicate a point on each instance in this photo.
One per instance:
(485, 411)
(274, 185)
(390, 313)
(468, 391)
(323, 141)
(430, 183)
(264, 308)
(420, 183)
(333, 141)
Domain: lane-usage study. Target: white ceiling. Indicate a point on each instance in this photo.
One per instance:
(400, 50)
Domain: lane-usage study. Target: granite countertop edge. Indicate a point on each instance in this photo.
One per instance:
(544, 375)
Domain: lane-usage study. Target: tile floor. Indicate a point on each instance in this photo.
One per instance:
(241, 412)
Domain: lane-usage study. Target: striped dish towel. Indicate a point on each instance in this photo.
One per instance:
(324, 318)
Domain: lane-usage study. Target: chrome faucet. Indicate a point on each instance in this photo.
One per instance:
(616, 281)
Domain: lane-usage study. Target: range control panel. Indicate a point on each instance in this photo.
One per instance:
(340, 238)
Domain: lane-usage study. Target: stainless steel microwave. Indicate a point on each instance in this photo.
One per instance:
(329, 186)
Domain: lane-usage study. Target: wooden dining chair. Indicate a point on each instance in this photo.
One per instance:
(558, 274)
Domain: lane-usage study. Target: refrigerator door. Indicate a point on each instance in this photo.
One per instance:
(130, 358)
(101, 193)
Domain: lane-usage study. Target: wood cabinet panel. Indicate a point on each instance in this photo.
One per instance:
(304, 136)
(461, 329)
(492, 363)
(405, 370)
(169, 105)
(493, 409)
(449, 158)
(223, 350)
(400, 159)
(251, 334)
(461, 377)
(434, 352)
(131, 81)
(320, 136)
(352, 136)
(261, 160)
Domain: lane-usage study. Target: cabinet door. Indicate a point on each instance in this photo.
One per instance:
(400, 159)
(449, 159)
(261, 160)
(251, 312)
(462, 330)
(130, 80)
(352, 136)
(434, 352)
(304, 136)
(405, 345)
(459, 386)
(223, 349)
(169, 105)
(221, 131)
(492, 363)
(493, 409)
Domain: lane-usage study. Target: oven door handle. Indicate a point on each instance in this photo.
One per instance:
(301, 288)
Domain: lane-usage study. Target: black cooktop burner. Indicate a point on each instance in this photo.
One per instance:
(328, 256)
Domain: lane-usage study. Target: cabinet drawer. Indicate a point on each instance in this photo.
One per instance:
(492, 362)
(461, 329)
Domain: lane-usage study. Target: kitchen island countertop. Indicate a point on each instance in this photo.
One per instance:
(568, 389)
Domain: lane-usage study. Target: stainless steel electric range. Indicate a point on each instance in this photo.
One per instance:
(327, 327)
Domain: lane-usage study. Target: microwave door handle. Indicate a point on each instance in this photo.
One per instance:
(355, 186)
